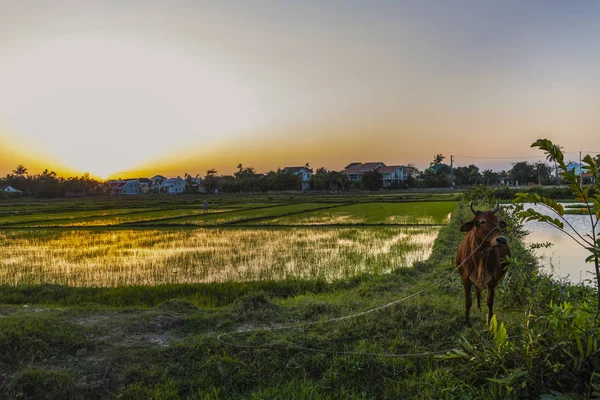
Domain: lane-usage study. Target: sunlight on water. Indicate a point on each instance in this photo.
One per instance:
(152, 257)
(564, 258)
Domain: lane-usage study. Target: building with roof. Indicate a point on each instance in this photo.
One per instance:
(303, 173)
(579, 169)
(173, 186)
(156, 181)
(392, 174)
(10, 189)
(355, 171)
(128, 187)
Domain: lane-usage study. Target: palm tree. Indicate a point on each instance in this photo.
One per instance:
(20, 170)
(550, 157)
(437, 159)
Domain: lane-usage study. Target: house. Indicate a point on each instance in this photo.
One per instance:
(302, 172)
(156, 181)
(579, 169)
(392, 174)
(144, 186)
(10, 189)
(355, 171)
(128, 187)
(173, 186)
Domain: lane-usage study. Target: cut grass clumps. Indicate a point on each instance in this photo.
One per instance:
(25, 338)
(177, 305)
(254, 307)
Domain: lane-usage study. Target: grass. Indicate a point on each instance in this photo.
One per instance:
(154, 257)
(110, 220)
(42, 216)
(372, 213)
(160, 342)
(244, 216)
(119, 313)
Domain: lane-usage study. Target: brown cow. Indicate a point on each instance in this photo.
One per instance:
(481, 257)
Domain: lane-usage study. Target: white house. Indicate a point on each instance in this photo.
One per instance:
(144, 185)
(157, 181)
(173, 186)
(130, 187)
(10, 189)
(302, 172)
(392, 174)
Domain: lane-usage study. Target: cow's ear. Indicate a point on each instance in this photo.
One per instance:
(502, 225)
(467, 226)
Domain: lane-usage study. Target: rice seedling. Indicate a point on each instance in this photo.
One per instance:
(246, 215)
(154, 257)
(372, 213)
(100, 219)
(43, 217)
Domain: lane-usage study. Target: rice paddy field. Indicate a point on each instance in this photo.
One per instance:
(129, 242)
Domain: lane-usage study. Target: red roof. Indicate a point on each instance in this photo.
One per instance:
(389, 168)
(354, 164)
(360, 168)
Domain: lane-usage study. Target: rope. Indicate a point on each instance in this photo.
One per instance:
(387, 305)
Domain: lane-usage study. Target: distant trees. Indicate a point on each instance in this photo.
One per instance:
(210, 180)
(466, 176)
(49, 184)
(324, 179)
(523, 172)
(437, 179)
(283, 180)
(372, 180)
(490, 177)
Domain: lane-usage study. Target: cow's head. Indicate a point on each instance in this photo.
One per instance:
(486, 226)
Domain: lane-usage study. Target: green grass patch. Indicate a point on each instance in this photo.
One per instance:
(372, 213)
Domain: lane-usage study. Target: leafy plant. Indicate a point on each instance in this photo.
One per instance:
(589, 196)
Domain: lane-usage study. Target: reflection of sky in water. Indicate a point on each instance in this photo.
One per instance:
(565, 256)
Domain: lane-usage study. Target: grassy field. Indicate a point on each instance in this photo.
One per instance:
(121, 311)
(141, 246)
(154, 257)
(372, 213)
(161, 342)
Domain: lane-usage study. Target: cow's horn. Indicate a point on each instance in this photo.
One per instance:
(472, 209)
(496, 208)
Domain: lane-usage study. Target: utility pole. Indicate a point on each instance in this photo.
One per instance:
(580, 184)
(452, 170)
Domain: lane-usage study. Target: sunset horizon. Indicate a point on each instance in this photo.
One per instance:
(142, 88)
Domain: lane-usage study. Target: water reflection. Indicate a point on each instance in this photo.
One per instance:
(564, 258)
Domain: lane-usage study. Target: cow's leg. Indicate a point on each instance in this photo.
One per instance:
(468, 300)
(490, 302)
(478, 295)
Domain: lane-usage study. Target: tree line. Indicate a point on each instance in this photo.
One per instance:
(49, 184)
(246, 179)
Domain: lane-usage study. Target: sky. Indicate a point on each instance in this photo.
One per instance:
(133, 88)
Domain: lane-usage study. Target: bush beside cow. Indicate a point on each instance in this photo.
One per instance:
(481, 257)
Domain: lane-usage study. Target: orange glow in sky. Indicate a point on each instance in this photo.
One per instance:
(130, 88)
